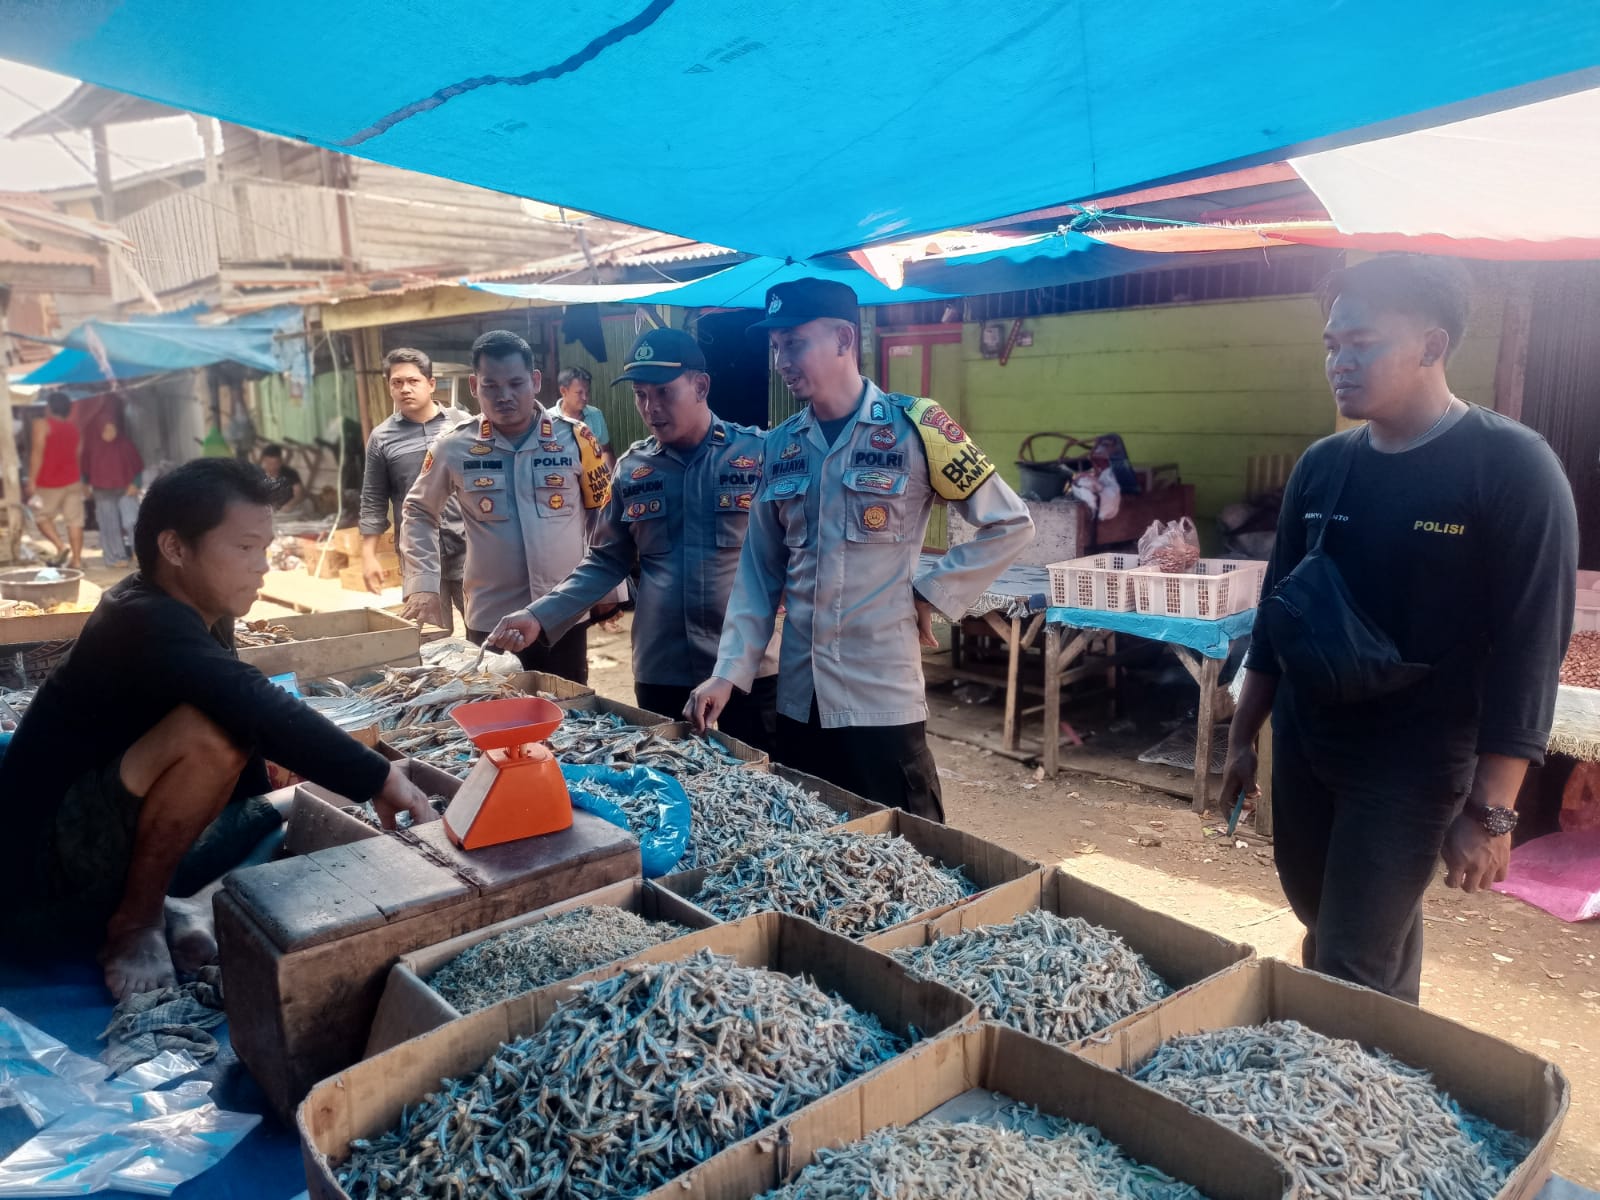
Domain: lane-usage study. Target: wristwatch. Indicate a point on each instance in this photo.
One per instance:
(1498, 821)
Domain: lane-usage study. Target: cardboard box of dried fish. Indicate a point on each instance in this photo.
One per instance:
(1059, 958)
(438, 984)
(988, 1114)
(601, 732)
(611, 1084)
(859, 878)
(1362, 1095)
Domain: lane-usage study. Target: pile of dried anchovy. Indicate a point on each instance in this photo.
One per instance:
(733, 807)
(596, 739)
(1349, 1122)
(444, 746)
(1057, 978)
(408, 696)
(852, 883)
(520, 960)
(936, 1160)
(366, 812)
(631, 1082)
(261, 633)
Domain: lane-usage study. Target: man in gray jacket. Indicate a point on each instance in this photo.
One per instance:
(680, 506)
(836, 534)
(394, 460)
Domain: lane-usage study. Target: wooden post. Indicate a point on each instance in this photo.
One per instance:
(1052, 700)
(1210, 668)
(1264, 779)
(359, 360)
(102, 173)
(10, 462)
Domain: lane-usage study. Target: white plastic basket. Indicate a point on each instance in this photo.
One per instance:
(1587, 612)
(1216, 588)
(1099, 581)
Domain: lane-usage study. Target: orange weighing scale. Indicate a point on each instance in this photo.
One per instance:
(515, 790)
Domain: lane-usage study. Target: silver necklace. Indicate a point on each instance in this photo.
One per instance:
(1425, 434)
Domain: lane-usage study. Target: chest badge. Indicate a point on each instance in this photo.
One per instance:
(486, 504)
(635, 510)
(787, 488)
(483, 481)
(724, 501)
(480, 449)
(878, 481)
(744, 499)
(655, 506)
(550, 447)
(558, 501)
(883, 439)
(743, 463)
(874, 517)
(641, 472)
(792, 450)
(555, 481)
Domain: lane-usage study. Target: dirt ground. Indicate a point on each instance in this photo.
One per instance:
(1492, 962)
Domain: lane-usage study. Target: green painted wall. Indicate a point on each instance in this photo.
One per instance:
(1205, 386)
(280, 417)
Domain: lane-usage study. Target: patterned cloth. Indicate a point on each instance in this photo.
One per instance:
(175, 1018)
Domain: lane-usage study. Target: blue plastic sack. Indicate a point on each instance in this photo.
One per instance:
(666, 838)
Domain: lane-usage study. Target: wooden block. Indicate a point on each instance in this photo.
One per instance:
(325, 565)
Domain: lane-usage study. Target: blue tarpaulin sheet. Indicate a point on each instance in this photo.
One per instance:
(795, 128)
(1211, 638)
(150, 346)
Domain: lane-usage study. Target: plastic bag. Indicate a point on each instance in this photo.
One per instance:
(664, 839)
(1100, 491)
(144, 1142)
(1559, 873)
(1170, 546)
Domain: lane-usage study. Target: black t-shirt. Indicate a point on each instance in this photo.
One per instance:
(283, 486)
(140, 655)
(1464, 550)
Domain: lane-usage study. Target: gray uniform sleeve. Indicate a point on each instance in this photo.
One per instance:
(419, 532)
(960, 575)
(753, 604)
(375, 489)
(605, 564)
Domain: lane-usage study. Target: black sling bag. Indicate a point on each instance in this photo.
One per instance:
(1331, 652)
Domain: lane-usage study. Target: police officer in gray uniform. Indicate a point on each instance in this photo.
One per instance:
(836, 535)
(680, 505)
(530, 481)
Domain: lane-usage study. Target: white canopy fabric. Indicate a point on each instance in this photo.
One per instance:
(1529, 174)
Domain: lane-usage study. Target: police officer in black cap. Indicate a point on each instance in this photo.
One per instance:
(680, 505)
(836, 536)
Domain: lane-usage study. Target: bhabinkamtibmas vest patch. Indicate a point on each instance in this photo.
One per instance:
(596, 478)
(956, 467)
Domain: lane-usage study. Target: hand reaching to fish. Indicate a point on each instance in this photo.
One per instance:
(706, 703)
(516, 631)
(423, 608)
(399, 795)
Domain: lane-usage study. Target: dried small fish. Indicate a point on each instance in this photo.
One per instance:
(1057, 978)
(520, 960)
(632, 1081)
(937, 1160)
(1351, 1123)
(605, 739)
(261, 633)
(732, 807)
(366, 812)
(852, 883)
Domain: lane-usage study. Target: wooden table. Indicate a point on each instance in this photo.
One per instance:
(1201, 646)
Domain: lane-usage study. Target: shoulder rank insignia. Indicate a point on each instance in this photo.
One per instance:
(547, 428)
(956, 467)
(485, 430)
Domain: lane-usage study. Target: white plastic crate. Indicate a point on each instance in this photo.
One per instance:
(1587, 614)
(1099, 581)
(1216, 588)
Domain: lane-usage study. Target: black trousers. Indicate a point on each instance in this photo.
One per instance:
(1355, 852)
(752, 717)
(890, 764)
(568, 658)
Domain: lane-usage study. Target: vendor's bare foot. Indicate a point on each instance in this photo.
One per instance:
(191, 936)
(136, 960)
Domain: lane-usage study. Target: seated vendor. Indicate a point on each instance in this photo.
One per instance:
(136, 773)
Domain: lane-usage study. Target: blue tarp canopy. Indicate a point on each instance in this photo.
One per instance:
(799, 127)
(150, 346)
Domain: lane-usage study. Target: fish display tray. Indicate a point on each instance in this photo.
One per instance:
(677, 731)
(1515, 1089)
(337, 643)
(1183, 955)
(952, 1075)
(366, 1099)
(1216, 588)
(317, 819)
(307, 942)
(411, 1007)
(985, 864)
(628, 712)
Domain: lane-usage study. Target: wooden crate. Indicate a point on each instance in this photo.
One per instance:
(320, 565)
(335, 643)
(307, 942)
(354, 579)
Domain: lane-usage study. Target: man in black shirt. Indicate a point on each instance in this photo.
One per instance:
(288, 488)
(1456, 535)
(138, 767)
